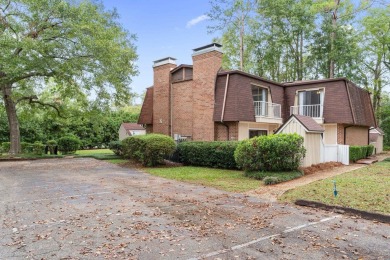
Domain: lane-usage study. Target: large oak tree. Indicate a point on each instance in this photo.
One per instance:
(76, 45)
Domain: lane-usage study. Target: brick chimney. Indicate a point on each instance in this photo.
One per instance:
(161, 94)
(207, 61)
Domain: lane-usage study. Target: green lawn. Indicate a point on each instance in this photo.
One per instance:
(367, 188)
(228, 180)
(94, 152)
(100, 154)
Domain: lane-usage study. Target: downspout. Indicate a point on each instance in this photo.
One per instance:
(223, 107)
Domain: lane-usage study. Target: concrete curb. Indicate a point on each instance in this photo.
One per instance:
(344, 210)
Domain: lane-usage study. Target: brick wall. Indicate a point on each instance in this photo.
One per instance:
(221, 131)
(182, 108)
(340, 133)
(205, 68)
(149, 129)
(357, 135)
(161, 99)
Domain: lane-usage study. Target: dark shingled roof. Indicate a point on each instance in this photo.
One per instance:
(309, 123)
(132, 126)
(146, 115)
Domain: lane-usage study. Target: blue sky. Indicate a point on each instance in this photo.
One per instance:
(163, 28)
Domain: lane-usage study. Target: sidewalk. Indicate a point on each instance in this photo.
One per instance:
(272, 192)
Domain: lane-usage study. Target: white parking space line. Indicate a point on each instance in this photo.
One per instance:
(237, 247)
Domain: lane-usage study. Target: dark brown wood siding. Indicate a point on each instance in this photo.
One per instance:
(239, 100)
(337, 108)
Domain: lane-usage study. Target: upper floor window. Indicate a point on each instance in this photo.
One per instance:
(311, 102)
(259, 94)
(310, 97)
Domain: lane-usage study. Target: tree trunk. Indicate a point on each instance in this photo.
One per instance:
(242, 33)
(332, 39)
(13, 122)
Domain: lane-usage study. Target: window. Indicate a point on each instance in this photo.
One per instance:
(254, 133)
(260, 97)
(311, 102)
(259, 94)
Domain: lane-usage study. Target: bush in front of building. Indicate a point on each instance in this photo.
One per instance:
(68, 144)
(281, 152)
(357, 152)
(217, 154)
(150, 149)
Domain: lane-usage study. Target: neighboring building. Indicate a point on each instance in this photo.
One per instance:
(130, 129)
(203, 102)
(376, 139)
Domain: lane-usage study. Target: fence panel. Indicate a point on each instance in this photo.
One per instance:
(343, 154)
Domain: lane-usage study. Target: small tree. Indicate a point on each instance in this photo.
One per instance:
(68, 144)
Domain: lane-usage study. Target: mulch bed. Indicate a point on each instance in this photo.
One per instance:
(320, 167)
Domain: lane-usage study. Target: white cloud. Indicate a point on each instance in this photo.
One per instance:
(197, 20)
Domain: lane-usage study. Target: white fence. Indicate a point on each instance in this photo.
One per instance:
(335, 153)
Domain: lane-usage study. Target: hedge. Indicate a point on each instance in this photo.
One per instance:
(216, 154)
(360, 152)
(281, 152)
(150, 149)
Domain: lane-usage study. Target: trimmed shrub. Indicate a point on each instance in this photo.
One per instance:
(116, 147)
(208, 154)
(357, 152)
(68, 144)
(370, 150)
(149, 149)
(281, 152)
(38, 148)
(5, 147)
(26, 147)
(51, 145)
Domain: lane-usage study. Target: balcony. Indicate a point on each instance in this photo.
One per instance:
(314, 111)
(266, 112)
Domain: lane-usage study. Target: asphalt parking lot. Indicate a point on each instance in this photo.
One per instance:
(89, 209)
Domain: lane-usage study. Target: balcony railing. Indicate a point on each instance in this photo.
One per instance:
(315, 111)
(267, 109)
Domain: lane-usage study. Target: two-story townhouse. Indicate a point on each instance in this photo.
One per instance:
(203, 102)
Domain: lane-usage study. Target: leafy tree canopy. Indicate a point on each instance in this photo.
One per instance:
(76, 46)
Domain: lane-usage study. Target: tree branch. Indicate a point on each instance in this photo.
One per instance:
(34, 100)
(33, 74)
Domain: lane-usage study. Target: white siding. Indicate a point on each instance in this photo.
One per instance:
(122, 133)
(312, 142)
(330, 134)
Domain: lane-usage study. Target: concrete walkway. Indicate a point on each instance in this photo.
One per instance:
(272, 192)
